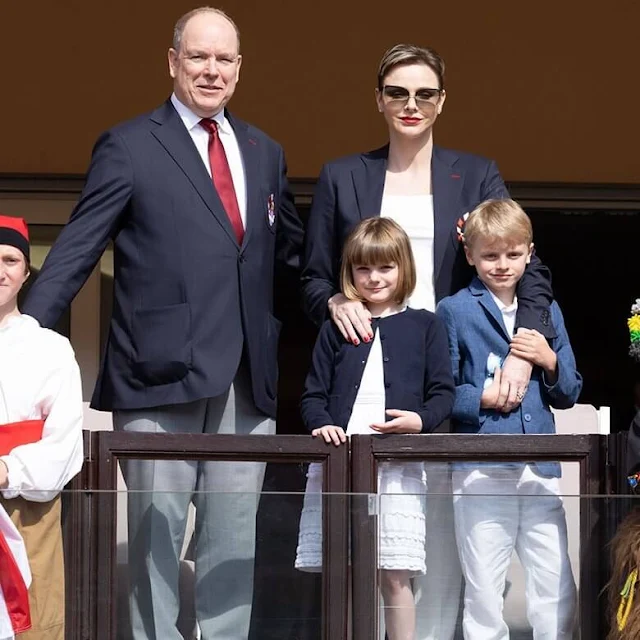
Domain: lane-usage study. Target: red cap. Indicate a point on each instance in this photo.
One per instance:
(15, 233)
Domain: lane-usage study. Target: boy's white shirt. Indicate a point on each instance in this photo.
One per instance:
(40, 379)
(16, 547)
(508, 313)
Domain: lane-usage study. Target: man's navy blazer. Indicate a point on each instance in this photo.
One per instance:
(350, 189)
(188, 300)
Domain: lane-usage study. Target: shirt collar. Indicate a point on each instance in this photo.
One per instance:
(192, 120)
(395, 313)
(503, 308)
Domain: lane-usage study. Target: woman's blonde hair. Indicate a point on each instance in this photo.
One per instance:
(405, 54)
(498, 220)
(377, 241)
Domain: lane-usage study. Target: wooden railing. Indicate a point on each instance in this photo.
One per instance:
(587, 450)
(90, 512)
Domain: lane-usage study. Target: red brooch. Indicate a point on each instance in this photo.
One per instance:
(460, 227)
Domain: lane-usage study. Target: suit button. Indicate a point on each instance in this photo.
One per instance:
(527, 417)
(385, 359)
(364, 362)
(544, 316)
(387, 385)
(355, 386)
(382, 336)
(242, 259)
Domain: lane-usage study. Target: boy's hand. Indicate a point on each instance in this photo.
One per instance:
(491, 395)
(331, 433)
(403, 422)
(533, 346)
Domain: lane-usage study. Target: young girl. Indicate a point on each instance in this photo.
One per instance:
(40, 433)
(404, 373)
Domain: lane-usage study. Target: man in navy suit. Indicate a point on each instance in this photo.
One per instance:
(198, 207)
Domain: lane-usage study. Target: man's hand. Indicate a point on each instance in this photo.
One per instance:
(331, 433)
(532, 346)
(351, 317)
(403, 422)
(516, 374)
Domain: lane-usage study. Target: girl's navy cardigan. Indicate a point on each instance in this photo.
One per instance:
(417, 371)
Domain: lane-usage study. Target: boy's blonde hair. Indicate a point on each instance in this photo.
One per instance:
(377, 241)
(496, 220)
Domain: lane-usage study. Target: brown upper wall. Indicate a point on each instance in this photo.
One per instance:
(549, 89)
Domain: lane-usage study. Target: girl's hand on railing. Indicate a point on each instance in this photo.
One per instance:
(331, 433)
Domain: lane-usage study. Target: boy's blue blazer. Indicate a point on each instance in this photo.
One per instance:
(475, 330)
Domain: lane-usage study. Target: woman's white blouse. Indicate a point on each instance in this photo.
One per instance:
(415, 215)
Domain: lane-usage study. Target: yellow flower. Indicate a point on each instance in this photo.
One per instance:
(634, 323)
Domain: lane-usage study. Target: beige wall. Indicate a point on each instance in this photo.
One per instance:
(549, 89)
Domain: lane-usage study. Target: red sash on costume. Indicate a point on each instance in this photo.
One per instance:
(14, 434)
(14, 590)
(12, 584)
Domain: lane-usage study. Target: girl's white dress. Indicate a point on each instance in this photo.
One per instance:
(402, 489)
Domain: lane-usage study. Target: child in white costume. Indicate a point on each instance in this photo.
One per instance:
(403, 373)
(39, 385)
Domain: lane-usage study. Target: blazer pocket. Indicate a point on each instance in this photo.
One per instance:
(162, 344)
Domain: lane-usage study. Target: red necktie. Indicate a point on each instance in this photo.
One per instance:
(222, 180)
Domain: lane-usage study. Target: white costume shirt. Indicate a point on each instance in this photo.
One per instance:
(200, 137)
(40, 379)
(415, 215)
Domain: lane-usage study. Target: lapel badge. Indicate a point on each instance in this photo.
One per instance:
(460, 226)
(271, 210)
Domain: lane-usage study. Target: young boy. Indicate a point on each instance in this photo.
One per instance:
(480, 324)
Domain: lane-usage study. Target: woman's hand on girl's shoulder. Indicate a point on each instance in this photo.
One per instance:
(403, 422)
(351, 317)
(331, 433)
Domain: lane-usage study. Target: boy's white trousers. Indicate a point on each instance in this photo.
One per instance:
(499, 509)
